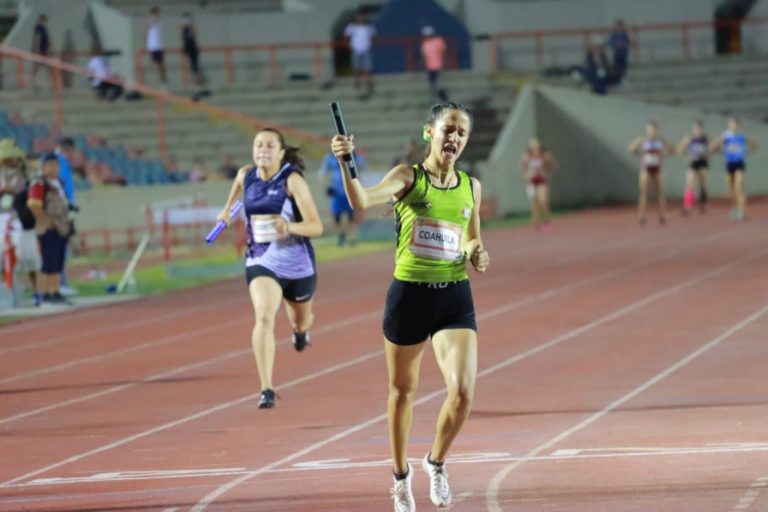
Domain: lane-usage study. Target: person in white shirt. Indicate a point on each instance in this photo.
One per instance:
(98, 66)
(155, 43)
(360, 34)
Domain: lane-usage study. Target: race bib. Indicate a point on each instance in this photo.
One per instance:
(265, 230)
(698, 149)
(436, 239)
(651, 159)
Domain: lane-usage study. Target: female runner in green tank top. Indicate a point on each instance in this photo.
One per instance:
(438, 232)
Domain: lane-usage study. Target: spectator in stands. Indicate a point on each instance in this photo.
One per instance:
(619, 42)
(13, 187)
(98, 66)
(155, 43)
(344, 221)
(433, 51)
(65, 152)
(41, 45)
(228, 169)
(360, 34)
(594, 71)
(190, 48)
(48, 203)
(198, 173)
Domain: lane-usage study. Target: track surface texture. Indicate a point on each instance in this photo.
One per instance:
(622, 368)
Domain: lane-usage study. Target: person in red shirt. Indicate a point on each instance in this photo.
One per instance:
(48, 203)
(433, 51)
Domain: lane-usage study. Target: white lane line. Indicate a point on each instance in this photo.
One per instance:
(229, 303)
(215, 494)
(182, 369)
(246, 398)
(187, 419)
(492, 492)
(751, 494)
(134, 348)
(320, 466)
(533, 298)
(147, 303)
(166, 340)
(154, 319)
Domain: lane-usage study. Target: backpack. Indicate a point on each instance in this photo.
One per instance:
(22, 210)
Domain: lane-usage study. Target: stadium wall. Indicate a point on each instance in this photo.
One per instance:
(589, 135)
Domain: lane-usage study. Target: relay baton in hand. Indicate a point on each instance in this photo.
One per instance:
(342, 130)
(221, 225)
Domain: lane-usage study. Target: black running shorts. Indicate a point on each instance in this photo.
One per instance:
(294, 290)
(414, 312)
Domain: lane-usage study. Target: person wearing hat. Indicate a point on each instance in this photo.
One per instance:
(48, 203)
(433, 51)
(11, 171)
(13, 196)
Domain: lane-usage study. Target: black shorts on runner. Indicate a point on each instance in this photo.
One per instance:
(700, 164)
(732, 167)
(157, 56)
(294, 290)
(414, 312)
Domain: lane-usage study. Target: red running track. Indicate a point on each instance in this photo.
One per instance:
(621, 368)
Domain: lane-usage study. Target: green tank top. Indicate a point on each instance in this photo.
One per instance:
(431, 226)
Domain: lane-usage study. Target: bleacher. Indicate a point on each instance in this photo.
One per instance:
(724, 85)
(37, 138)
(383, 124)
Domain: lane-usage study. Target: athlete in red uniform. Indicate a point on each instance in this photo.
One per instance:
(651, 148)
(537, 165)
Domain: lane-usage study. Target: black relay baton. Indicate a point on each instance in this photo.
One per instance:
(342, 130)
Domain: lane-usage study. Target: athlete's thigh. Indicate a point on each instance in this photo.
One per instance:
(738, 180)
(542, 194)
(265, 295)
(403, 362)
(456, 354)
(642, 180)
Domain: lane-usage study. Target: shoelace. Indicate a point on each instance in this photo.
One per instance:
(439, 480)
(400, 492)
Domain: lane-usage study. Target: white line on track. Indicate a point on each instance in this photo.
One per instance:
(520, 303)
(88, 332)
(332, 369)
(133, 348)
(147, 303)
(153, 319)
(492, 492)
(182, 336)
(751, 494)
(215, 494)
(347, 464)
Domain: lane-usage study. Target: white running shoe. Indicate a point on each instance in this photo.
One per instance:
(439, 490)
(402, 495)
